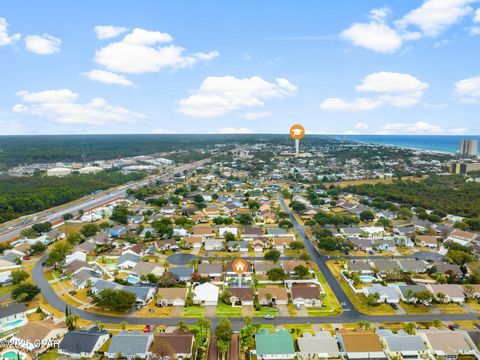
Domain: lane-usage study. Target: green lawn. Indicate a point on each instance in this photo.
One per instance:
(451, 309)
(416, 309)
(267, 310)
(5, 290)
(49, 355)
(193, 311)
(224, 310)
(332, 306)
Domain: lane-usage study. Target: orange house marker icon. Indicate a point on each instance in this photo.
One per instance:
(239, 266)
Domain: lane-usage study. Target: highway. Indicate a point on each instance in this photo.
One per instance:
(8, 231)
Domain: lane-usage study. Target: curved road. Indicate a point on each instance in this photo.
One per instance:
(349, 315)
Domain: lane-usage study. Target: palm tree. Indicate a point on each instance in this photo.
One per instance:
(182, 326)
(123, 324)
(99, 324)
(71, 321)
(437, 323)
(409, 328)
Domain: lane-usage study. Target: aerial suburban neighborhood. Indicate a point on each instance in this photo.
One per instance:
(269, 259)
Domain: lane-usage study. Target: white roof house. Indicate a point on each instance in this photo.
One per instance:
(77, 255)
(223, 230)
(90, 170)
(59, 171)
(206, 294)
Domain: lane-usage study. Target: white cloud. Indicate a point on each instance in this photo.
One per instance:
(468, 90)
(357, 104)
(163, 131)
(220, 95)
(256, 115)
(375, 35)
(232, 130)
(435, 16)
(42, 44)
(10, 127)
(109, 31)
(477, 16)
(141, 51)
(5, 38)
(395, 89)
(108, 77)
(420, 127)
(61, 106)
(361, 126)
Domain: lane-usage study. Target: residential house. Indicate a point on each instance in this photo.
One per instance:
(448, 292)
(306, 295)
(283, 242)
(194, 241)
(180, 342)
(403, 345)
(171, 296)
(182, 273)
(132, 345)
(387, 294)
(210, 270)
(385, 267)
(413, 266)
(5, 278)
(447, 344)
(241, 296)
(214, 245)
(144, 268)
(13, 313)
(83, 343)
(38, 336)
(206, 294)
(252, 232)
(360, 344)
(274, 345)
(117, 231)
(128, 261)
(76, 266)
(86, 247)
(320, 345)
(362, 267)
(167, 244)
(136, 249)
(275, 231)
(273, 295)
(85, 278)
(241, 246)
(290, 265)
(461, 237)
(230, 230)
(77, 255)
(262, 267)
(143, 294)
(429, 241)
(407, 292)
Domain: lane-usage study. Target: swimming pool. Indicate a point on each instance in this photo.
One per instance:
(132, 279)
(12, 354)
(12, 324)
(367, 278)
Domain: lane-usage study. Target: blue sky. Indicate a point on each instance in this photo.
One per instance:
(343, 67)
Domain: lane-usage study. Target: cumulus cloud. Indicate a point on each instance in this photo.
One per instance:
(232, 130)
(220, 95)
(468, 90)
(420, 127)
(109, 31)
(375, 35)
(394, 89)
(42, 44)
(256, 115)
(108, 77)
(62, 106)
(431, 19)
(5, 38)
(361, 126)
(435, 16)
(144, 51)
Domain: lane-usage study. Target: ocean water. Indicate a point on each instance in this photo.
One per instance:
(442, 143)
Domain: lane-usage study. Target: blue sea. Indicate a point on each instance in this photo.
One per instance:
(441, 143)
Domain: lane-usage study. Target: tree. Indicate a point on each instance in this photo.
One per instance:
(163, 227)
(276, 274)
(305, 256)
(410, 328)
(58, 254)
(285, 224)
(298, 206)
(229, 236)
(67, 216)
(117, 300)
(223, 334)
(225, 297)
(247, 334)
(245, 219)
(42, 227)
(89, 230)
(167, 279)
(74, 238)
(71, 321)
(367, 215)
(18, 276)
(372, 299)
(297, 245)
(25, 292)
(120, 214)
(272, 255)
(301, 271)
(437, 323)
(182, 326)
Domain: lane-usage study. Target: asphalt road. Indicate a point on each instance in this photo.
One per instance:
(88, 202)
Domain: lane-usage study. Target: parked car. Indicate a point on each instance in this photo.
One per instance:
(268, 317)
(394, 306)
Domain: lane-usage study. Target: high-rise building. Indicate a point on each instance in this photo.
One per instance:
(464, 167)
(468, 148)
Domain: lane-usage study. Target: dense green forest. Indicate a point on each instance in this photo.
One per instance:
(16, 150)
(451, 194)
(26, 195)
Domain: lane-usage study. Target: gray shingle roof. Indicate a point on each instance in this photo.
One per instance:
(81, 341)
(130, 343)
